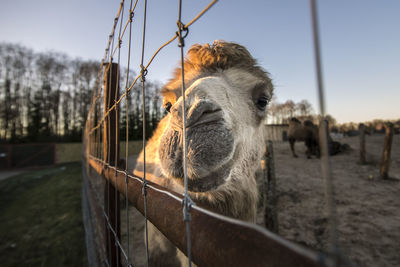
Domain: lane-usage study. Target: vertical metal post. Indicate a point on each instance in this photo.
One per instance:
(323, 137)
(361, 129)
(387, 147)
(111, 153)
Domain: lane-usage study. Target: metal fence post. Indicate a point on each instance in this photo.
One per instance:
(111, 152)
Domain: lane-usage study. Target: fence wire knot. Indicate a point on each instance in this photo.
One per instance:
(184, 30)
(144, 188)
(126, 176)
(143, 73)
(187, 204)
(131, 15)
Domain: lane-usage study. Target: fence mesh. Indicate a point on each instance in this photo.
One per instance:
(113, 196)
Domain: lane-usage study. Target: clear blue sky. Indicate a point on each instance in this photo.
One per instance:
(360, 42)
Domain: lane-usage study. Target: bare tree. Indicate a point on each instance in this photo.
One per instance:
(305, 108)
(46, 96)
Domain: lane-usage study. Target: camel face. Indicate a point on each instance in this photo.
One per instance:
(224, 111)
(226, 102)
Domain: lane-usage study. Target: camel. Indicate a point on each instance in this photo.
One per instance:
(309, 133)
(227, 95)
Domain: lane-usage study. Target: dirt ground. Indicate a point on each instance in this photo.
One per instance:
(368, 208)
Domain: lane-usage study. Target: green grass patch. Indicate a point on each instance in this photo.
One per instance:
(70, 152)
(41, 218)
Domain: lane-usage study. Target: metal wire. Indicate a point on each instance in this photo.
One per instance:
(149, 63)
(186, 202)
(116, 149)
(107, 219)
(127, 130)
(117, 241)
(143, 73)
(201, 13)
(98, 203)
(97, 94)
(325, 163)
(98, 114)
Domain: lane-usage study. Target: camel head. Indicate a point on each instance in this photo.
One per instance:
(227, 95)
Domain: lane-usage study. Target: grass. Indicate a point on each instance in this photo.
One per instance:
(69, 152)
(41, 218)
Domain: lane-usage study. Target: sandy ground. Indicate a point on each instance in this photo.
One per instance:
(368, 208)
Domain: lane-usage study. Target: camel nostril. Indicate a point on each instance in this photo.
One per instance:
(210, 111)
(202, 112)
(198, 112)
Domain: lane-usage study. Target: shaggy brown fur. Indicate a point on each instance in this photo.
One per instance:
(206, 59)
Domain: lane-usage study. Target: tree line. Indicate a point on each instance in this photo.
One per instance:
(280, 113)
(45, 97)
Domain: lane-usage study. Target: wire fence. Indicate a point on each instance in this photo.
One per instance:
(112, 193)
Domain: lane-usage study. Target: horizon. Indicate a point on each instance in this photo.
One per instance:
(360, 52)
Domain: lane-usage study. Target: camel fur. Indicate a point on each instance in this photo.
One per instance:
(226, 103)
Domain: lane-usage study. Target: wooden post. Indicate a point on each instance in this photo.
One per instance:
(111, 156)
(387, 147)
(270, 212)
(361, 129)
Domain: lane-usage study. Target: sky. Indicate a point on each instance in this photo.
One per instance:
(360, 43)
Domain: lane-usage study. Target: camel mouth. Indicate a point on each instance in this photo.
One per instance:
(210, 182)
(209, 155)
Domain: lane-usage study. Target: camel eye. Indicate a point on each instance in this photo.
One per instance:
(262, 102)
(168, 106)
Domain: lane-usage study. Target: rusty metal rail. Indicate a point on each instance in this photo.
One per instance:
(216, 240)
